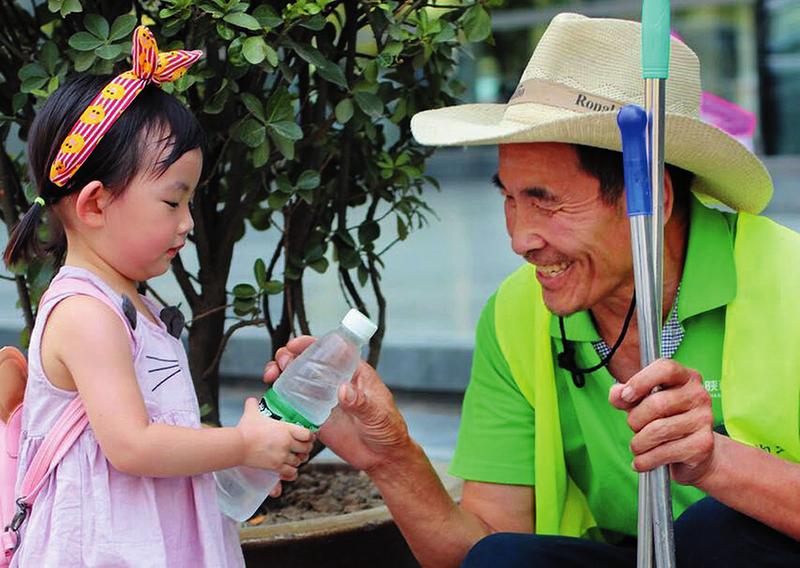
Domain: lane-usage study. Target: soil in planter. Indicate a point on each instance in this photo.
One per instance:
(320, 491)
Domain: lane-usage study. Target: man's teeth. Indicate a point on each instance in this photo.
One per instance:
(552, 269)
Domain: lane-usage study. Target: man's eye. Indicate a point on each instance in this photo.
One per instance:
(173, 204)
(547, 211)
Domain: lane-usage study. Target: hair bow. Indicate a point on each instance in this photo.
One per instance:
(149, 66)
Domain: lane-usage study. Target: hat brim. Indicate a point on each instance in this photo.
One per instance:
(725, 169)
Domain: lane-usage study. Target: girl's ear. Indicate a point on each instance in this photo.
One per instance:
(91, 203)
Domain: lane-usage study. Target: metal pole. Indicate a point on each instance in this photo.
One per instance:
(654, 104)
(655, 511)
(655, 70)
(643, 275)
(658, 479)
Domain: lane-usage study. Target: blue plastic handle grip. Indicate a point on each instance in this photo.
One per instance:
(632, 122)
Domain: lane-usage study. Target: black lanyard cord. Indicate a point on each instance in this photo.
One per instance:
(567, 361)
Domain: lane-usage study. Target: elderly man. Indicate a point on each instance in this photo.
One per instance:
(557, 417)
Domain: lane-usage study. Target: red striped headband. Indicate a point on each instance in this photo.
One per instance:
(149, 66)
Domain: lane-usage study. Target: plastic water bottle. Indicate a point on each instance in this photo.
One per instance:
(306, 391)
(241, 490)
(304, 394)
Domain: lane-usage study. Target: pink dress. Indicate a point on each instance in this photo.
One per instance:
(90, 514)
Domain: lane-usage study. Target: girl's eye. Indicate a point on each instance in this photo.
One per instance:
(172, 204)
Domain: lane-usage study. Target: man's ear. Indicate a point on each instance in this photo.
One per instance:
(91, 203)
(669, 195)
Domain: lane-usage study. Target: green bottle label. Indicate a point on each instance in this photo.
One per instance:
(278, 408)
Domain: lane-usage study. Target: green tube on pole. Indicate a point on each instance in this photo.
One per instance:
(655, 39)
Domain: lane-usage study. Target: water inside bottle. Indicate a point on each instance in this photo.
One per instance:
(311, 383)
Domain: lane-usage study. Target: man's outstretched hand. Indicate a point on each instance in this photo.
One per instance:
(365, 429)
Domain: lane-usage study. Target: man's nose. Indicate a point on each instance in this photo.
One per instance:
(526, 234)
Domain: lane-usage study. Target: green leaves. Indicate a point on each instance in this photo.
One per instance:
(320, 265)
(250, 132)
(477, 23)
(108, 51)
(64, 7)
(260, 272)
(306, 140)
(84, 41)
(244, 299)
(308, 180)
(276, 119)
(96, 25)
(254, 49)
(98, 40)
(49, 57)
(244, 291)
(254, 106)
(402, 229)
(344, 111)
(368, 231)
(308, 128)
(122, 27)
(267, 17)
(41, 77)
(242, 20)
(33, 76)
(371, 104)
(261, 154)
(286, 129)
(327, 69)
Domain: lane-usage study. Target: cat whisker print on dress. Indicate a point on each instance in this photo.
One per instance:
(175, 368)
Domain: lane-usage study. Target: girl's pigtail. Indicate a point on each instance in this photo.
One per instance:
(23, 243)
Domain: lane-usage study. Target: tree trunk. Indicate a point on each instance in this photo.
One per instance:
(205, 337)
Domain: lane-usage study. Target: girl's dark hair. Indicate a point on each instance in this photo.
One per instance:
(606, 166)
(115, 161)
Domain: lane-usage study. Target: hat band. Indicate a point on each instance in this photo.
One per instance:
(548, 93)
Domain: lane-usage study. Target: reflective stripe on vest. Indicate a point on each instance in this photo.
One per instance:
(760, 368)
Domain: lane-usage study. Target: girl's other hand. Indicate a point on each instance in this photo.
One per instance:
(272, 444)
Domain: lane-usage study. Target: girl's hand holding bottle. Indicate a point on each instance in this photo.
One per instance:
(272, 444)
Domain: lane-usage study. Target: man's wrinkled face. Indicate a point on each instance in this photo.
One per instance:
(558, 221)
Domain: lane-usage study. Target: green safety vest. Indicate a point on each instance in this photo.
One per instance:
(760, 364)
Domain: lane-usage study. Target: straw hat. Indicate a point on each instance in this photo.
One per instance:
(581, 72)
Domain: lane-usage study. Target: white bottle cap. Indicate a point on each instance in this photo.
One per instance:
(359, 324)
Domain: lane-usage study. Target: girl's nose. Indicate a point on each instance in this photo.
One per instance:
(187, 223)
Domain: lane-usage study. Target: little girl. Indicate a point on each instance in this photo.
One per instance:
(116, 164)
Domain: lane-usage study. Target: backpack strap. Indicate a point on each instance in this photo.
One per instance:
(55, 445)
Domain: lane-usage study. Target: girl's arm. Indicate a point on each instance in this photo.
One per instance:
(86, 342)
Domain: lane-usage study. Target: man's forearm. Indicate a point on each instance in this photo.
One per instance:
(438, 531)
(756, 484)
